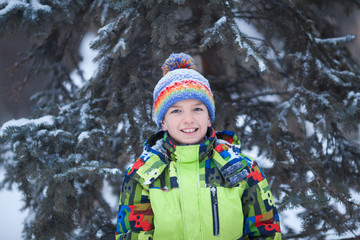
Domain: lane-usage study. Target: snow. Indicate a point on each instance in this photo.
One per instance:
(355, 96)
(336, 41)
(83, 136)
(103, 32)
(348, 235)
(47, 120)
(15, 4)
(10, 200)
(248, 29)
(11, 4)
(104, 13)
(310, 130)
(91, 166)
(284, 106)
(38, 6)
(55, 132)
(87, 65)
(119, 127)
(250, 52)
(234, 96)
(316, 96)
(217, 25)
(86, 134)
(220, 22)
(112, 171)
(240, 120)
(124, 125)
(331, 73)
(121, 45)
(289, 217)
(214, 31)
(254, 153)
(12, 218)
(83, 112)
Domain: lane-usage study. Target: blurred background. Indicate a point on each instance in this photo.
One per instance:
(15, 93)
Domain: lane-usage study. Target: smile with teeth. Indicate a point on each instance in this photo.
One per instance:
(189, 130)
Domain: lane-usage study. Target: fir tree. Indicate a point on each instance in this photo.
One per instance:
(292, 92)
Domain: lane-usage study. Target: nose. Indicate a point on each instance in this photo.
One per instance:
(188, 118)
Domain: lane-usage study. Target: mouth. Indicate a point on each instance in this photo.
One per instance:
(189, 130)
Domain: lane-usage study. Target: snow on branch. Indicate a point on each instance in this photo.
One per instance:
(105, 5)
(294, 107)
(112, 38)
(47, 120)
(332, 74)
(218, 34)
(88, 168)
(335, 41)
(269, 93)
(102, 34)
(86, 134)
(284, 109)
(355, 96)
(214, 33)
(35, 5)
(320, 98)
(251, 52)
(13, 5)
(352, 102)
(121, 45)
(243, 42)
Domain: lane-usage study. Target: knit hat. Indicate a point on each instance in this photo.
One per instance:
(180, 81)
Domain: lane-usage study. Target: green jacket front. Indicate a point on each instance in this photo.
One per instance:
(206, 191)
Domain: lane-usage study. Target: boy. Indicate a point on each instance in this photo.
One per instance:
(191, 182)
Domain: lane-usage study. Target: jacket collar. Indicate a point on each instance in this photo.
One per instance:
(205, 148)
(159, 149)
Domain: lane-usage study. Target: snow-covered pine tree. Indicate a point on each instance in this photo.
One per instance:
(291, 92)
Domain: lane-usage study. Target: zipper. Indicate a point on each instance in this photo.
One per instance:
(215, 210)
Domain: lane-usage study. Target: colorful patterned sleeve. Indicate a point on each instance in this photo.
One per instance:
(261, 217)
(135, 216)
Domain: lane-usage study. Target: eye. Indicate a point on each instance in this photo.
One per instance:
(198, 109)
(175, 111)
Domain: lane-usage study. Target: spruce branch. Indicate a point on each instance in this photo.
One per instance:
(331, 190)
(335, 41)
(265, 93)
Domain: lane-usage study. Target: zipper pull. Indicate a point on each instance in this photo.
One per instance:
(213, 191)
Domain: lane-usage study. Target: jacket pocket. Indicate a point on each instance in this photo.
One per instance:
(215, 211)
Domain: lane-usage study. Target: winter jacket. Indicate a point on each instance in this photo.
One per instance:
(205, 191)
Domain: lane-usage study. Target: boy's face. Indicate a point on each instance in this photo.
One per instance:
(187, 121)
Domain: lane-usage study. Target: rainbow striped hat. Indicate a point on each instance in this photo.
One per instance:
(180, 82)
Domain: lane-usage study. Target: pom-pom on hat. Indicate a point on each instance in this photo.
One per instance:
(180, 81)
